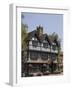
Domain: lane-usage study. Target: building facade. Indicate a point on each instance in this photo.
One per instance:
(41, 54)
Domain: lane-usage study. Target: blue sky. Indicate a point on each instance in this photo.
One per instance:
(50, 22)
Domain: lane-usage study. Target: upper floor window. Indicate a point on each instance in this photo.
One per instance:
(44, 56)
(33, 55)
(54, 47)
(35, 43)
(45, 45)
(34, 38)
(53, 56)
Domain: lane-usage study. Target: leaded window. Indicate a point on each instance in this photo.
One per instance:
(53, 56)
(49, 56)
(44, 56)
(36, 68)
(35, 43)
(45, 45)
(33, 55)
(54, 47)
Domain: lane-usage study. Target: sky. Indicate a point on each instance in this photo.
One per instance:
(50, 22)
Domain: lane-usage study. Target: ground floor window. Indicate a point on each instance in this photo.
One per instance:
(34, 68)
(38, 68)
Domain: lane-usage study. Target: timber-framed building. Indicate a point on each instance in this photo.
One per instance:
(42, 54)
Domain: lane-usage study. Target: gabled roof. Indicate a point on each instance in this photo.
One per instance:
(31, 34)
(42, 38)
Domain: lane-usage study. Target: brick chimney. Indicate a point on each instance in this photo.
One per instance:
(40, 31)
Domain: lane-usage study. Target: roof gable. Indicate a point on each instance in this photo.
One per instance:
(43, 37)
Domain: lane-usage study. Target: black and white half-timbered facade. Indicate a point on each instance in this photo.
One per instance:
(42, 54)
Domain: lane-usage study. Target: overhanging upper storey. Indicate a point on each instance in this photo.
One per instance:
(39, 41)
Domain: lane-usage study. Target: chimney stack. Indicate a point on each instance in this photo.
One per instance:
(39, 30)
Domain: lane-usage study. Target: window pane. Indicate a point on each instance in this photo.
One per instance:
(35, 43)
(53, 56)
(34, 55)
(54, 47)
(45, 45)
(44, 56)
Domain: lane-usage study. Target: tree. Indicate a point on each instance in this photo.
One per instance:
(24, 42)
(24, 34)
(55, 37)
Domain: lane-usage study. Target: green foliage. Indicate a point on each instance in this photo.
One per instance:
(24, 34)
(55, 36)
